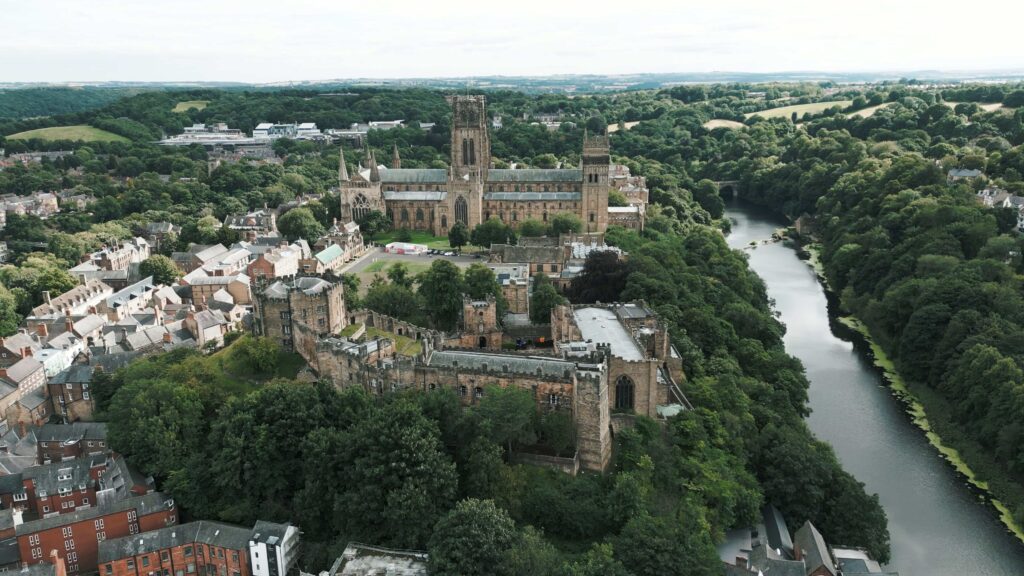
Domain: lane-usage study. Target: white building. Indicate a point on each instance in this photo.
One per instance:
(273, 548)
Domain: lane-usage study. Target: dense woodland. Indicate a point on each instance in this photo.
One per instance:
(935, 277)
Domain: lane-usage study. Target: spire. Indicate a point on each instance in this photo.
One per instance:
(342, 168)
(396, 162)
(367, 160)
(374, 173)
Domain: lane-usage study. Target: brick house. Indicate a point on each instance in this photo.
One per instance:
(206, 548)
(55, 488)
(76, 535)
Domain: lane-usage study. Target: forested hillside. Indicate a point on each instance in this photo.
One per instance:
(32, 102)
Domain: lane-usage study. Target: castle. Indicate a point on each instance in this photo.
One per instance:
(470, 190)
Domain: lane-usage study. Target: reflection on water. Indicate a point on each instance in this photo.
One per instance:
(939, 525)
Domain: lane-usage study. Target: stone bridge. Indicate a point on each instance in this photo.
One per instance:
(730, 186)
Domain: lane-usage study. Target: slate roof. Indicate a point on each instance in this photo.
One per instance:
(129, 293)
(89, 324)
(75, 431)
(533, 365)
(75, 374)
(815, 551)
(19, 341)
(33, 399)
(204, 531)
(22, 369)
(415, 195)
(47, 479)
(536, 175)
(9, 553)
(148, 504)
(776, 529)
(532, 196)
(309, 285)
(414, 175)
(210, 318)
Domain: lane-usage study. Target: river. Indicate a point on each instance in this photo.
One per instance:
(939, 524)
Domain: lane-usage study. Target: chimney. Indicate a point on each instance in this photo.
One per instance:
(58, 564)
(741, 562)
(167, 337)
(42, 330)
(46, 296)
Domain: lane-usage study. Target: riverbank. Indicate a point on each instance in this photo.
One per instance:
(931, 413)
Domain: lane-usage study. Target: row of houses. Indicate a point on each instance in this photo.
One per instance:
(995, 197)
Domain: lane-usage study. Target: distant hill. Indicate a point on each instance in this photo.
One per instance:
(50, 101)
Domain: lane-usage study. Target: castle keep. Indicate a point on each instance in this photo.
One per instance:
(470, 190)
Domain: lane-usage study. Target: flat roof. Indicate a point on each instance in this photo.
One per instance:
(602, 325)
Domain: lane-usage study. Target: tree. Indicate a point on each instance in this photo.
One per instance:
(394, 480)
(374, 222)
(458, 235)
(508, 414)
(398, 274)
(472, 540)
(564, 223)
(350, 284)
(299, 223)
(667, 546)
(493, 231)
(161, 268)
(603, 278)
(598, 561)
(263, 353)
(532, 227)
(9, 318)
(441, 289)
(394, 300)
(616, 198)
(544, 299)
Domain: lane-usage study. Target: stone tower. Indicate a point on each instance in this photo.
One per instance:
(471, 158)
(596, 161)
(396, 161)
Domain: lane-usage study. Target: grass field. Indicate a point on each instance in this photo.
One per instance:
(80, 132)
(719, 123)
(990, 107)
(190, 104)
(800, 109)
(383, 265)
(418, 237)
(615, 127)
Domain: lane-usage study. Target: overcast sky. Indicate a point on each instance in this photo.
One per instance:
(273, 41)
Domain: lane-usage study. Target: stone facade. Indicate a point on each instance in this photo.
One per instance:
(470, 190)
(292, 309)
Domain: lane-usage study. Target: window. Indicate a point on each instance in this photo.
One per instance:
(85, 501)
(286, 329)
(131, 563)
(321, 322)
(133, 515)
(234, 557)
(133, 528)
(220, 552)
(69, 544)
(591, 216)
(101, 536)
(165, 556)
(21, 497)
(191, 568)
(108, 569)
(286, 316)
(462, 391)
(554, 400)
(67, 531)
(33, 540)
(405, 215)
(145, 561)
(46, 509)
(624, 390)
(461, 210)
(89, 444)
(85, 396)
(478, 392)
(188, 551)
(98, 524)
(37, 553)
(419, 214)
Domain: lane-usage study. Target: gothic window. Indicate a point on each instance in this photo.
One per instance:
(461, 210)
(405, 215)
(545, 215)
(515, 217)
(391, 214)
(444, 221)
(465, 152)
(472, 152)
(361, 206)
(419, 214)
(624, 390)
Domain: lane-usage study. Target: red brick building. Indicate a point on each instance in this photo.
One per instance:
(204, 548)
(76, 535)
(54, 488)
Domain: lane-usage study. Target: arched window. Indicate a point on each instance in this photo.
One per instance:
(461, 210)
(419, 214)
(465, 152)
(624, 390)
(472, 152)
(405, 215)
(444, 221)
(360, 206)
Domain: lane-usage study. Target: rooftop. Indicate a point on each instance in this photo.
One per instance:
(536, 175)
(205, 532)
(602, 325)
(148, 504)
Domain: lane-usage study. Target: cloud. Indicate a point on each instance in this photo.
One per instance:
(265, 41)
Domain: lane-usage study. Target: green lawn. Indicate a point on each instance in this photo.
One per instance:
(235, 371)
(404, 345)
(720, 123)
(80, 132)
(382, 266)
(800, 109)
(190, 104)
(418, 237)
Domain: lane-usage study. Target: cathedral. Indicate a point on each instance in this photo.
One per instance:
(470, 190)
